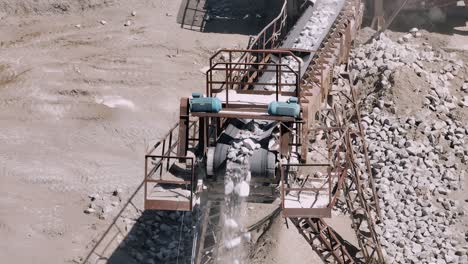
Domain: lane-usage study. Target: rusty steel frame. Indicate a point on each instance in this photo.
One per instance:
(345, 119)
(270, 37)
(361, 214)
(317, 80)
(305, 212)
(161, 154)
(316, 229)
(164, 162)
(323, 239)
(361, 196)
(361, 136)
(240, 73)
(358, 206)
(335, 170)
(334, 51)
(364, 206)
(312, 91)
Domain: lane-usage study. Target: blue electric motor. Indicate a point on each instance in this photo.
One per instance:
(205, 104)
(289, 108)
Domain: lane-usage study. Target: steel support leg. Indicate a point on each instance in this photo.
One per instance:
(323, 239)
(378, 22)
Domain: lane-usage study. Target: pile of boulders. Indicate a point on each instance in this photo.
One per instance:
(160, 237)
(418, 161)
(150, 237)
(410, 173)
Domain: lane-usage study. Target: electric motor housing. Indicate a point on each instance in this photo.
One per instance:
(289, 108)
(205, 104)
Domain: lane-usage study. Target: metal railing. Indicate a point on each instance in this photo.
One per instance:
(241, 75)
(160, 174)
(335, 165)
(289, 184)
(195, 10)
(161, 157)
(115, 232)
(168, 144)
(271, 36)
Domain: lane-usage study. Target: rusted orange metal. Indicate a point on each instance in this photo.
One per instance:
(324, 240)
(158, 163)
(238, 73)
(271, 36)
(378, 22)
(240, 70)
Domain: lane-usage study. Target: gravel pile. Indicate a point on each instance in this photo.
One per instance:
(160, 237)
(418, 161)
(152, 236)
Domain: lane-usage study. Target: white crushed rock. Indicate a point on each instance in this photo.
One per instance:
(237, 188)
(418, 161)
(318, 25)
(310, 38)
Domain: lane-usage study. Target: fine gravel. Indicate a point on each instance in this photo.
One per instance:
(157, 237)
(415, 121)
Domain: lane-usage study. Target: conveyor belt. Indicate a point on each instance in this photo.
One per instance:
(262, 161)
(314, 229)
(328, 21)
(306, 20)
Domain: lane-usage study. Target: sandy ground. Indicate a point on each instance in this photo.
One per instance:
(283, 244)
(78, 107)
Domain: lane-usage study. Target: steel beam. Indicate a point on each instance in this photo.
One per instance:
(184, 123)
(378, 22)
(323, 239)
